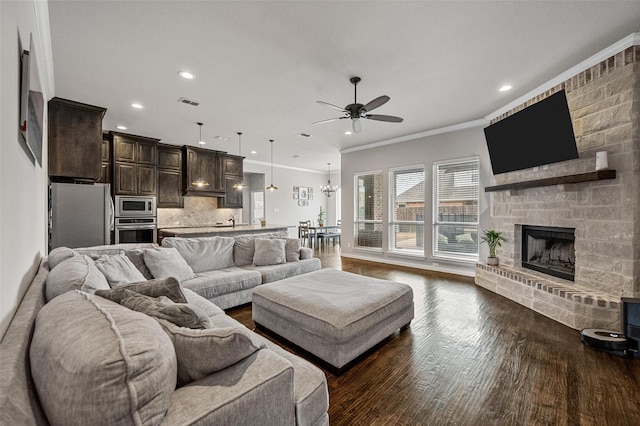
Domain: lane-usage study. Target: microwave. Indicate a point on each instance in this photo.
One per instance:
(130, 206)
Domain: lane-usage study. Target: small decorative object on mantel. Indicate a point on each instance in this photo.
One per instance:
(493, 239)
(602, 163)
(322, 216)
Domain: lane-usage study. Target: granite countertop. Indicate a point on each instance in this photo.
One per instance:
(219, 229)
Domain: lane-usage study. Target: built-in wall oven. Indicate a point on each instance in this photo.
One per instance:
(136, 220)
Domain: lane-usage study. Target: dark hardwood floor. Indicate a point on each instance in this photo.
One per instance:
(472, 357)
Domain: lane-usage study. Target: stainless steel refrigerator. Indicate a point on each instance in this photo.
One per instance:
(80, 215)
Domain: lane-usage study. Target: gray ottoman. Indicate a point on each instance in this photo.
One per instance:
(332, 314)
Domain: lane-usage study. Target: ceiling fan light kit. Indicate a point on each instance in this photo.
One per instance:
(356, 111)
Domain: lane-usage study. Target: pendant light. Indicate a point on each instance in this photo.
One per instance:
(329, 190)
(200, 183)
(240, 185)
(271, 187)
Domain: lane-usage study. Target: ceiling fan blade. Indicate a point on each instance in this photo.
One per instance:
(329, 120)
(331, 106)
(389, 118)
(377, 102)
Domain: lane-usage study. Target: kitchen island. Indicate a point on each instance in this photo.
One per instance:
(219, 230)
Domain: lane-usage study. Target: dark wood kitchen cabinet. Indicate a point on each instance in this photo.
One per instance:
(232, 172)
(74, 140)
(105, 173)
(170, 177)
(202, 172)
(134, 161)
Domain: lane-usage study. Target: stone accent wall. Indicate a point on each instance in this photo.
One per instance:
(604, 102)
(197, 211)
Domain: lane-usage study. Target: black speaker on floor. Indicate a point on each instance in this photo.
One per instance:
(631, 324)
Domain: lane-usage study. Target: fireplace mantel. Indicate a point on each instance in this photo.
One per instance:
(557, 180)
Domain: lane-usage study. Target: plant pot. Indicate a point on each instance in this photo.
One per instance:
(492, 261)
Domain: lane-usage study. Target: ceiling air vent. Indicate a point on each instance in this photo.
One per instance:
(189, 102)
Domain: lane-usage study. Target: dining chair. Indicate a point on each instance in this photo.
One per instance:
(303, 231)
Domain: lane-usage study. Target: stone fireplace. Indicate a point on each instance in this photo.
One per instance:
(550, 250)
(604, 215)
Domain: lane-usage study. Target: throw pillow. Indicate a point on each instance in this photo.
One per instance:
(269, 252)
(292, 249)
(202, 352)
(181, 314)
(77, 272)
(136, 256)
(59, 254)
(167, 262)
(96, 362)
(204, 254)
(169, 287)
(244, 249)
(118, 270)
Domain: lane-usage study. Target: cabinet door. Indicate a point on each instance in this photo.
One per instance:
(147, 153)
(106, 148)
(105, 174)
(146, 180)
(233, 197)
(232, 165)
(74, 140)
(169, 188)
(124, 179)
(124, 149)
(169, 157)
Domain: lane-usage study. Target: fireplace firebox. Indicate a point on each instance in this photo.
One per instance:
(549, 250)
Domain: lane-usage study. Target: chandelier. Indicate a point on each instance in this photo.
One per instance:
(329, 190)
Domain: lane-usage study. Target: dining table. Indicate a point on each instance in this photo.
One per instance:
(316, 233)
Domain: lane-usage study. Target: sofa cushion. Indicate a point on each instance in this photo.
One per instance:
(204, 254)
(169, 287)
(202, 352)
(181, 314)
(244, 249)
(273, 273)
(58, 255)
(110, 365)
(136, 256)
(167, 262)
(223, 281)
(77, 272)
(269, 252)
(118, 269)
(292, 249)
(205, 305)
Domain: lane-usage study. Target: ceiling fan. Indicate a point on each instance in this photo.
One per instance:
(356, 111)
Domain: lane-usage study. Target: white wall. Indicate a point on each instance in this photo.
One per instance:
(280, 207)
(447, 146)
(23, 182)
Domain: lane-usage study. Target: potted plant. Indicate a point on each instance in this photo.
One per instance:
(493, 239)
(322, 216)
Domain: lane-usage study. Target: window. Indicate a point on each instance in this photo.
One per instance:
(456, 208)
(406, 224)
(368, 210)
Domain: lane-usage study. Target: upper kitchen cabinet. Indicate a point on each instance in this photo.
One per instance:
(75, 141)
(134, 161)
(105, 174)
(232, 174)
(170, 176)
(202, 172)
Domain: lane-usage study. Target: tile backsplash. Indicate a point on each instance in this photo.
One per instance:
(197, 211)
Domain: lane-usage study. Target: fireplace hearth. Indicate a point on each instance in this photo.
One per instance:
(549, 250)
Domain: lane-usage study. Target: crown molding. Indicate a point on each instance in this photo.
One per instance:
(438, 131)
(632, 39)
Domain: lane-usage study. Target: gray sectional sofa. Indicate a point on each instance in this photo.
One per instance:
(75, 355)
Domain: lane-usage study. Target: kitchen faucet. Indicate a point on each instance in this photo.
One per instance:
(233, 221)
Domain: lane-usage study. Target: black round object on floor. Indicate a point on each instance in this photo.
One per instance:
(604, 339)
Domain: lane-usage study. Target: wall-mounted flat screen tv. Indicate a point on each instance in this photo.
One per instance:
(540, 134)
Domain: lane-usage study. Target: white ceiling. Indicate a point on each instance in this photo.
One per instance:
(262, 65)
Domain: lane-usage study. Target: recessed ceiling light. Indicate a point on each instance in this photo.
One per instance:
(505, 88)
(186, 75)
(254, 152)
(348, 132)
(136, 106)
(121, 127)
